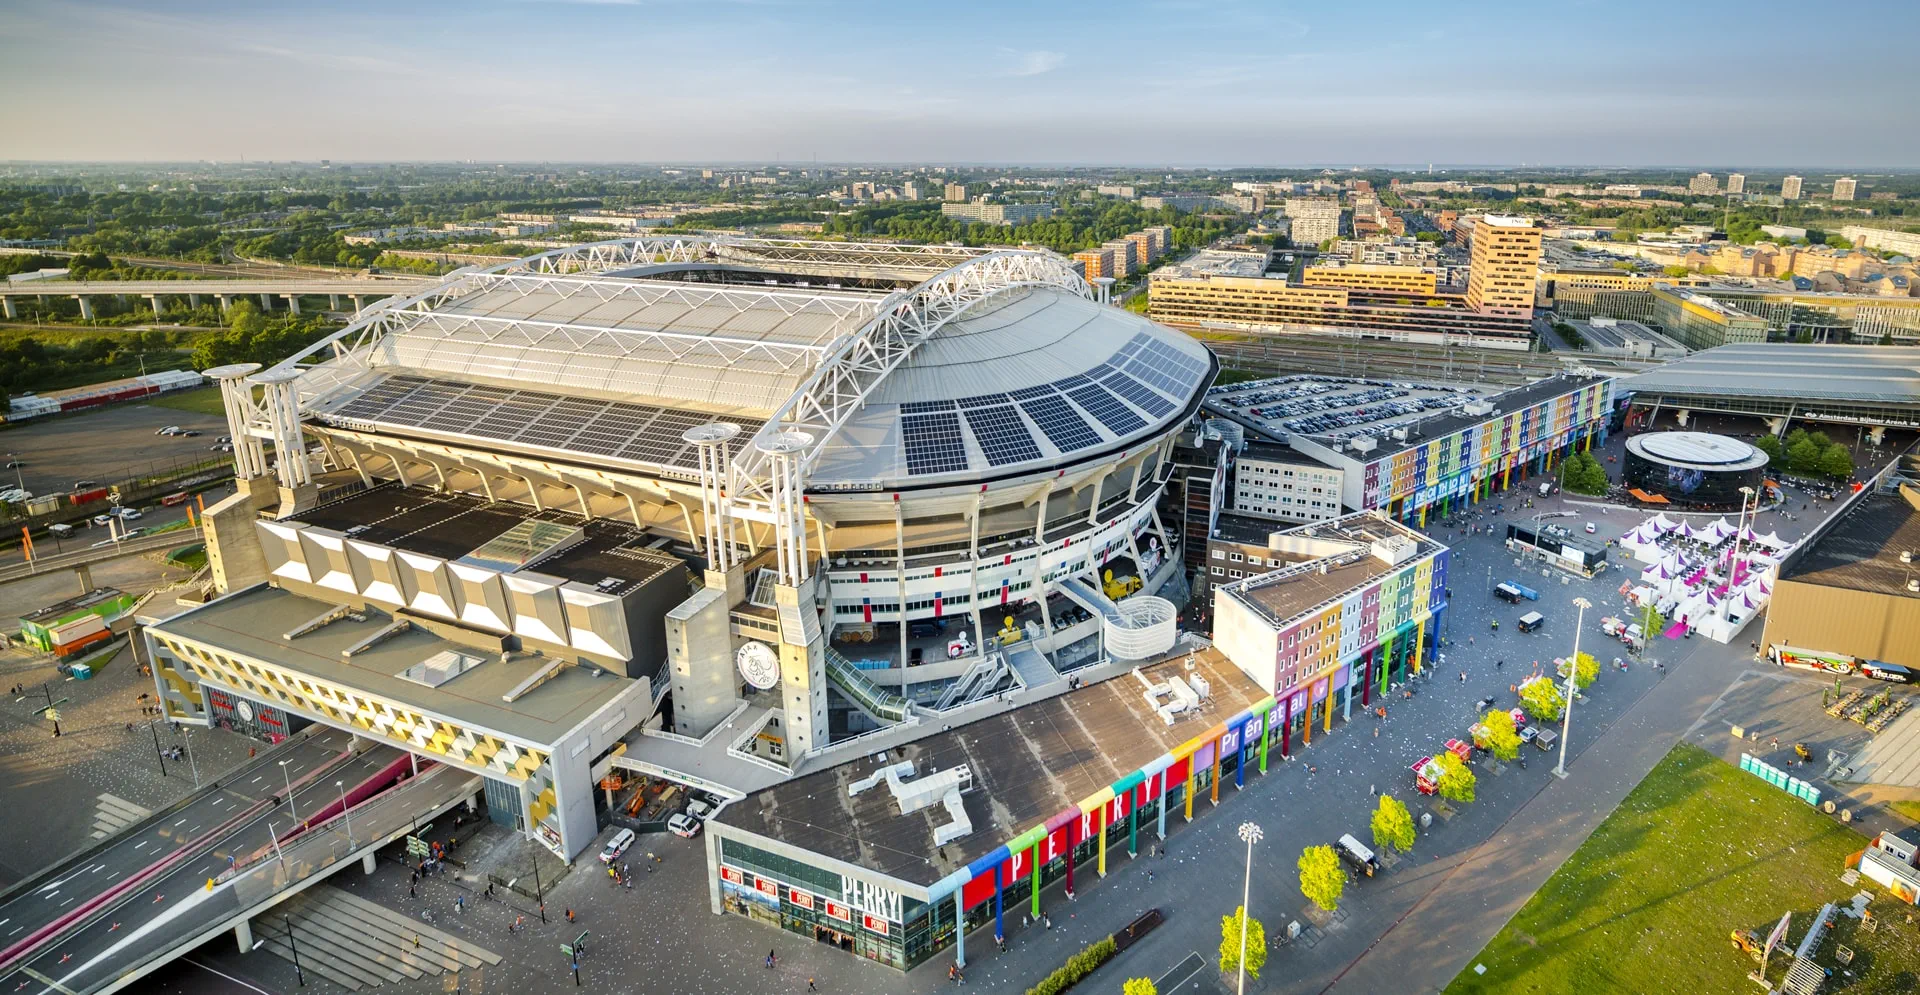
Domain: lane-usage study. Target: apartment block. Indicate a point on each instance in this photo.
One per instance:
(1097, 263)
(1844, 188)
(955, 193)
(1790, 188)
(1703, 183)
(997, 214)
(1124, 256)
(1315, 219)
(1277, 483)
(1736, 183)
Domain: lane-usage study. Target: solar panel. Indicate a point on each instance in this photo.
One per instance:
(1137, 392)
(555, 421)
(1028, 393)
(984, 400)
(1002, 435)
(1068, 383)
(1101, 403)
(1062, 425)
(922, 407)
(933, 443)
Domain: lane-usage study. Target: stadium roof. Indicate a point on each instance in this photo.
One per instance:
(993, 363)
(1790, 371)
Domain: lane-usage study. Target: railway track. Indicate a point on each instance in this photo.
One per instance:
(1342, 357)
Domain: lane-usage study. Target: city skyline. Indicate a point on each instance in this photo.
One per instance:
(1238, 83)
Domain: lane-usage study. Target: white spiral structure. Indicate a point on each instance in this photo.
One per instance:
(1144, 630)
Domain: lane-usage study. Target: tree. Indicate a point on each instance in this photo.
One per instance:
(1771, 445)
(1541, 698)
(1144, 986)
(1674, 271)
(1456, 781)
(1502, 738)
(1836, 462)
(1322, 879)
(1586, 670)
(1803, 457)
(1256, 937)
(1392, 825)
(1583, 474)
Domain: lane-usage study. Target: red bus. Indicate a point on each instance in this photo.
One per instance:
(177, 497)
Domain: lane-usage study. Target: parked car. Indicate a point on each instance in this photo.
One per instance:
(102, 519)
(15, 464)
(125, 514)
(60, 529)
(169, 430)
(1590, 528)
(616, 846)
(683, 825)
(190, 433)
(81, 485)
(701, 809)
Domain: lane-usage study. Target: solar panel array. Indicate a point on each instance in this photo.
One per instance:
(1003, 437)
(1062, 425)
(1100, 403)
(923, 407)
(554, 421)
(934, 444)
(1137, 392)
(1165, 367)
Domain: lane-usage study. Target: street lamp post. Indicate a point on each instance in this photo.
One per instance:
(186, 733)
(1733, 566)
(154, 727)
(1573, 672)
(345, 813)
(1249, 832)
(290, 809)
(295, 947)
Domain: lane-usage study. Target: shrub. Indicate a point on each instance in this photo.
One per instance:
(1076, 968)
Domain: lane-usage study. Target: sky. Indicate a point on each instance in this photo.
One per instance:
(1127, 82)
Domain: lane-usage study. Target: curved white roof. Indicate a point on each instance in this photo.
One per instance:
(997, 365)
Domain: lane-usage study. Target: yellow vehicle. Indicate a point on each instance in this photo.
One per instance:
(1749, 941)
(1117, 589)
(1010, 633)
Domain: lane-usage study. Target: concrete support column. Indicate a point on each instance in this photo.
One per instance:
(85, 576)
(1876, 435)
(999, 901)
(86, 306)
(13, 310)
(154, 299)
(1213, 788)
(1286, 725)
(1329, 719)
(266, 302)
(1266, 736)
(359, 303)
(1186, 796)
(333, 302)
(193, 300)
(226, 301)
(243, 935)
(1366, 686)
(1346, 714)
(1073, 857)
(366, 862)
(1102, 867)
(1419, 645)
(293, 303)
(1034, 888)
(1160, 824)
(1240, 768)
(960, 925)
(1133, 831)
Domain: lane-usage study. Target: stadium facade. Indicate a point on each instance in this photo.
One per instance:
(527, 506)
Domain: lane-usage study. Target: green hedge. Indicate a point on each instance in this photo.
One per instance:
(1076, 969)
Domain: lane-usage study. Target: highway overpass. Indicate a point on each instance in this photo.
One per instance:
(80, 560)
(360, 291)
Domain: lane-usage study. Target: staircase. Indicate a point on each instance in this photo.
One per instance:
(1031, 665)
(883, 705)
(357, 944)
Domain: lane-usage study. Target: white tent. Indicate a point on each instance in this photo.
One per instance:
(1772, 539)
(1662, 522)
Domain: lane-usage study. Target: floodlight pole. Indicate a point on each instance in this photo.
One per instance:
(1573, 673)
(1251, 833)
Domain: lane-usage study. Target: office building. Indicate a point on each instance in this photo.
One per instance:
(956, 193)
(1587, 293)
(1505, 265)
(1906, 243)
(1699, 321)
(1844, 188)
(1115, 190)
(1177, 201)
(1278, 483)
(1400, 279)
(1315, 219)
(1405, 447)
(1703, 183)
(1790, 188)
(1736, 183)
(1210, 302)
(1356, 605)
(997, 214)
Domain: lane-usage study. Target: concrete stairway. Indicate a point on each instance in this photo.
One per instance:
(357, 944)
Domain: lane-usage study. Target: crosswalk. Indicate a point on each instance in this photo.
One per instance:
(357, 944)
(113, 813)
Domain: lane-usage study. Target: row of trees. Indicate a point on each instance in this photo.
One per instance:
(1810, 453)
(1071, 228)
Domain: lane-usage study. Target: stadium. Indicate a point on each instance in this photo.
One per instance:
(728, 473)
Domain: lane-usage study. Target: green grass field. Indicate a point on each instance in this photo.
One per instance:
(1697, 850)
(203, 400)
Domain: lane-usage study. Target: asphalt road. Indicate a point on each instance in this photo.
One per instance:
(129, 853)
(83, 959)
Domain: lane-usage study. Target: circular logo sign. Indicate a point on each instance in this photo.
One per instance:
(244, 709)
(758, 664)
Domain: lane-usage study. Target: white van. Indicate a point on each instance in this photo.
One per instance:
(1531, 621)
(60, 529)
(1356, 854)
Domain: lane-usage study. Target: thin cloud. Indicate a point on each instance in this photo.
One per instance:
(1034, 63)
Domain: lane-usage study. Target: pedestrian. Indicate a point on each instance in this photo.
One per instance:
(1046, 921)
(769, 960)
(249, 753)
(416, 941)
(953, 973)
(1000, 941)
(569, 915)
(810, 986)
